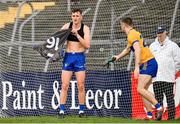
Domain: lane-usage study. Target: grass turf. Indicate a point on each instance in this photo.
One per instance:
(76, 119)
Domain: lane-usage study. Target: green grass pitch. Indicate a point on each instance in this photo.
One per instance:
(76, 119)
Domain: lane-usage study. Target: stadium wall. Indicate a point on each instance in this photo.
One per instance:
(112, 93)
(109, 94)
(138, 110)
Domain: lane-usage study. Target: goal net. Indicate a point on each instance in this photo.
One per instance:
(30, 84)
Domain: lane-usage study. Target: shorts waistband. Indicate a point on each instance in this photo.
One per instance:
(153, 59)
(74, 53)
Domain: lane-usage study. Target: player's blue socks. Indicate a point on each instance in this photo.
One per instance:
(158, 106)
(149, 114)
(62, 108)
(81, 107)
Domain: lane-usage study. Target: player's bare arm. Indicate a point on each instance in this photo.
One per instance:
(65, 26)
(123, 53)
(85, 42)
(137, 53)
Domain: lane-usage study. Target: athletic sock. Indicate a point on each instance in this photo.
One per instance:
(149, 114)
(158, 106)
(62, 107)
(81, 108)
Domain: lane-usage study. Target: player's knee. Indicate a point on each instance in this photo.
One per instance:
(64, 87)
(81, 87)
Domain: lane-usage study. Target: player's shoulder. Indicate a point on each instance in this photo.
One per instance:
(86, 27)
(134, 33)
(137, 32)
(65, 26)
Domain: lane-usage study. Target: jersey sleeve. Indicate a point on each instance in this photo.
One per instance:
(132, 38)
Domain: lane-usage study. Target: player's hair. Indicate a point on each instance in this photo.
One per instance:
(76, 10)
(127, 21)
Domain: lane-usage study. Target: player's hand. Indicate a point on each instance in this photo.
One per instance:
(117, 57)
(136, 72)
(74, 32)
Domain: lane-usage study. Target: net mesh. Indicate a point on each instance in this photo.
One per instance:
(102, 16)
